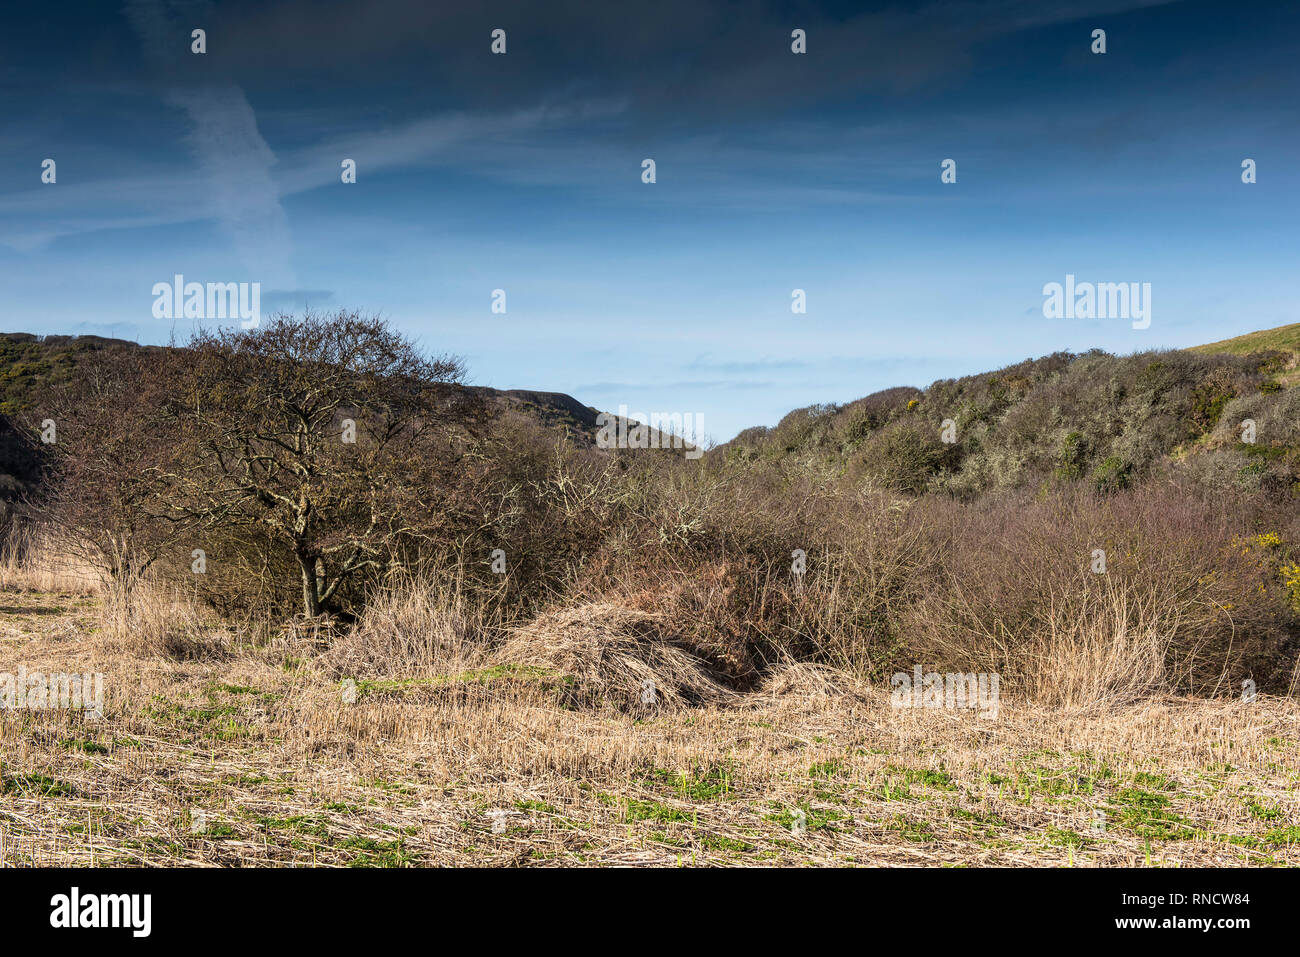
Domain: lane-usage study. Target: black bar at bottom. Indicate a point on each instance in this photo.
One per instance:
(348, 908)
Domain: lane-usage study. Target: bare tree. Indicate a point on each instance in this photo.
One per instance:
(334, 434)
(108, 435)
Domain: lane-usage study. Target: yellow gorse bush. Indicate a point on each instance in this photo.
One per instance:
(1291, 580)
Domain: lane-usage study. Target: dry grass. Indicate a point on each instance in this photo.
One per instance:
(154, 618)
(28, 562)
(616, 657)
(415, 627)
(1112, 652)
(254, 758)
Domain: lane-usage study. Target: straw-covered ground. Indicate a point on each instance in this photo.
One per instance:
(243, 755)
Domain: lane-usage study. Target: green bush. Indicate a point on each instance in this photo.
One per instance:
(904, 458)
(1112, 475)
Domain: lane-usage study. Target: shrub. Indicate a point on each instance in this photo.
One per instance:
(1074, 452)
(1179, 608)
(903, 457)
(1112, 475)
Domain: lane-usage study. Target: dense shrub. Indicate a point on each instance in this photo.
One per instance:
(1089, 417)
(1180, 605)
(904, 457)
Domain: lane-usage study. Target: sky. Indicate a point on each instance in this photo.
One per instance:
(774, 171)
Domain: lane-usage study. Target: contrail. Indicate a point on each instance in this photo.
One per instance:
(234, 158)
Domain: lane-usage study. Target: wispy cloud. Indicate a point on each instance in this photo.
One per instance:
(234, 158)
(244, 182)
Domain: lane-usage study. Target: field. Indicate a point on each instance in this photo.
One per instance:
(252, 757)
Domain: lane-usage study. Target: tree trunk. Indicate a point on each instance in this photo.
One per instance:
(310, 592)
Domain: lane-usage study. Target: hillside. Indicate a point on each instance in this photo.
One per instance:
(29, 362)
(1093, 416)
(1282, 338)
(1089, 415)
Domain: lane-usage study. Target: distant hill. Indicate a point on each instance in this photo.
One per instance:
(28, 361)
(1094, 416)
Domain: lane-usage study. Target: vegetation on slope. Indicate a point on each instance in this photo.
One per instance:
(1108, 421)
(1279, 339)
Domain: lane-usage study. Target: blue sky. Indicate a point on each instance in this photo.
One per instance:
(775, 171)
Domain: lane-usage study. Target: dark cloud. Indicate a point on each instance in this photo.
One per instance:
(670, 58)
(674, 60)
